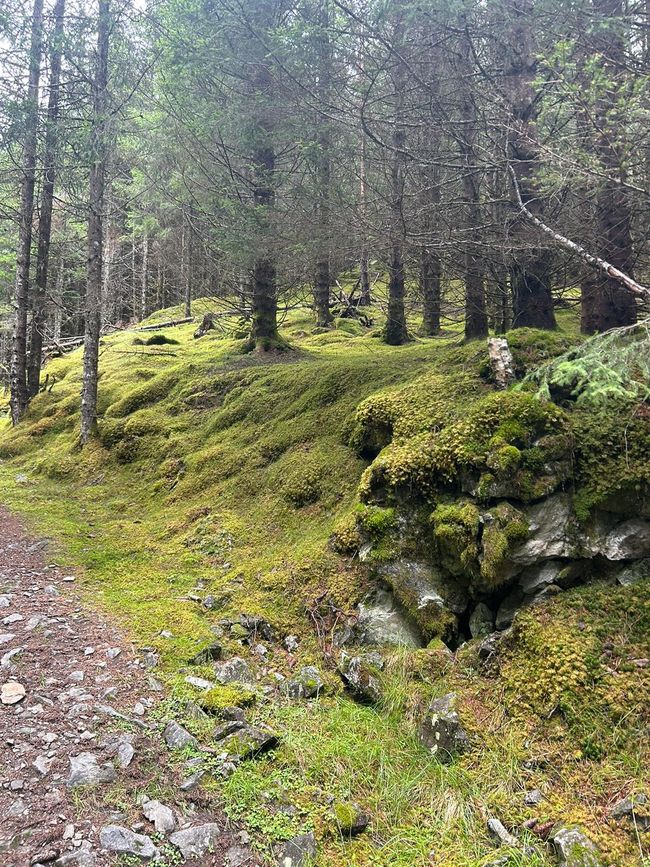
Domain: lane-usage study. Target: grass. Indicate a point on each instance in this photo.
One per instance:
(224, 474)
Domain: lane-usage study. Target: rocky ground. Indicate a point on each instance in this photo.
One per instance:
(81, 743)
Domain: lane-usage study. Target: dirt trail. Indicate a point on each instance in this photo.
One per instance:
(87, 694)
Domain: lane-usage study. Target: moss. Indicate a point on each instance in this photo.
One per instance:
(375, 521)
(345, 538)
(229, 695)
(455, 530)
(506, 528)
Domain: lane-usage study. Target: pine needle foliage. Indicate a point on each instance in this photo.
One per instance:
(613, 367)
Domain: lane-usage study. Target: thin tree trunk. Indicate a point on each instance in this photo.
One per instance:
(605, 302)
(264, 331)
(476, 321)
(365, 298)
(47, 201)
(431, 281)
(19, 392)
(322, 279)
(145, 275)
(395, 332)
(532, 300)
(187, 263)
(98, 155)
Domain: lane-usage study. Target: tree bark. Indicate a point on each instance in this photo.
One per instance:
(19, 391)
(476, 321)
(532, 300)
(395, 332)
(322, 281)
(98, 156)
(605, 302)
(47, 201)
(431, 282)
(264, 332)
(144, 287)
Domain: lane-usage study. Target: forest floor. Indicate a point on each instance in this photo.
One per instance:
(88, 713)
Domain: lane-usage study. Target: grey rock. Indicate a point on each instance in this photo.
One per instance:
(508, 608)
(12, 618)
(573, 848)
(248, 741)
(425, 584)
(176, 737)
(6, 661)
(115, 838)
(82, 857)
(161, 816)
(382, 620)
(532, 799)
(5, 601)
(349, 818)
(125, 754)
(196, 713)
(195, 842)
(441, 730)
(629, 540)
(199, 682)
(536, 578)
(299, 852)
(481, 621)
(210, 653)
(634, 807)
(86, 771)
(192, 782)
(235, 670)
(504, 837)
(489, 646)
(227, 728)
(634, 573)
(237, 856)
(361, 675)
(307, 684)
(553, 532)
(6, 637)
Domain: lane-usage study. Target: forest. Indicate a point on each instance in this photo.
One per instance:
(325, 433)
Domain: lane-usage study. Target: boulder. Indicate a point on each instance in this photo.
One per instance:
(210, 653)
(161, 816)
(234, 670)
(86, 771)
(298, 852)
(573, 848)
(196, 842)
(629, 540)
(177, 738)
(248, 741)
(481, 621)
(508, 608)
(553, 532)
(634, 573)
(361, 675)
(349, 819)
(307, 684)
(382, 620)
(636, 808)
(441, 731)
(422, 586)
(538, 577)
(114, 838)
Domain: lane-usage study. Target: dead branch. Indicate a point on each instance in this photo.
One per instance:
(637, 289)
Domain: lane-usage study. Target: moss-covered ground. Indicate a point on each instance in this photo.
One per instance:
(224, 474)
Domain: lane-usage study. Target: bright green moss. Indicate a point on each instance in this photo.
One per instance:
(228, 695)
(455, 530)
(505, 528)
(375, 521)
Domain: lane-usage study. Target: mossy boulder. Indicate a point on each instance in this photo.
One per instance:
(456, 530)
(224, 696)
(504, 528)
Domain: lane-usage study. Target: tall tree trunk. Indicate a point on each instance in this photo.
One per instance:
(187, 266)
(395, 332)
(19, 392)
(264, 331)
(605, 302)
(98, 156)
(431, 281)
(145, 275)
(476, 321)
(47, 201)
(532, 300)
(322, 279)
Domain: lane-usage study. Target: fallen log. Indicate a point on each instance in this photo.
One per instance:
(171, 324)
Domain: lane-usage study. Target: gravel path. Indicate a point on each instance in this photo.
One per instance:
(77, 704)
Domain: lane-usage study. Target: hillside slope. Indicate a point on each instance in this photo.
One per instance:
(262, 499)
